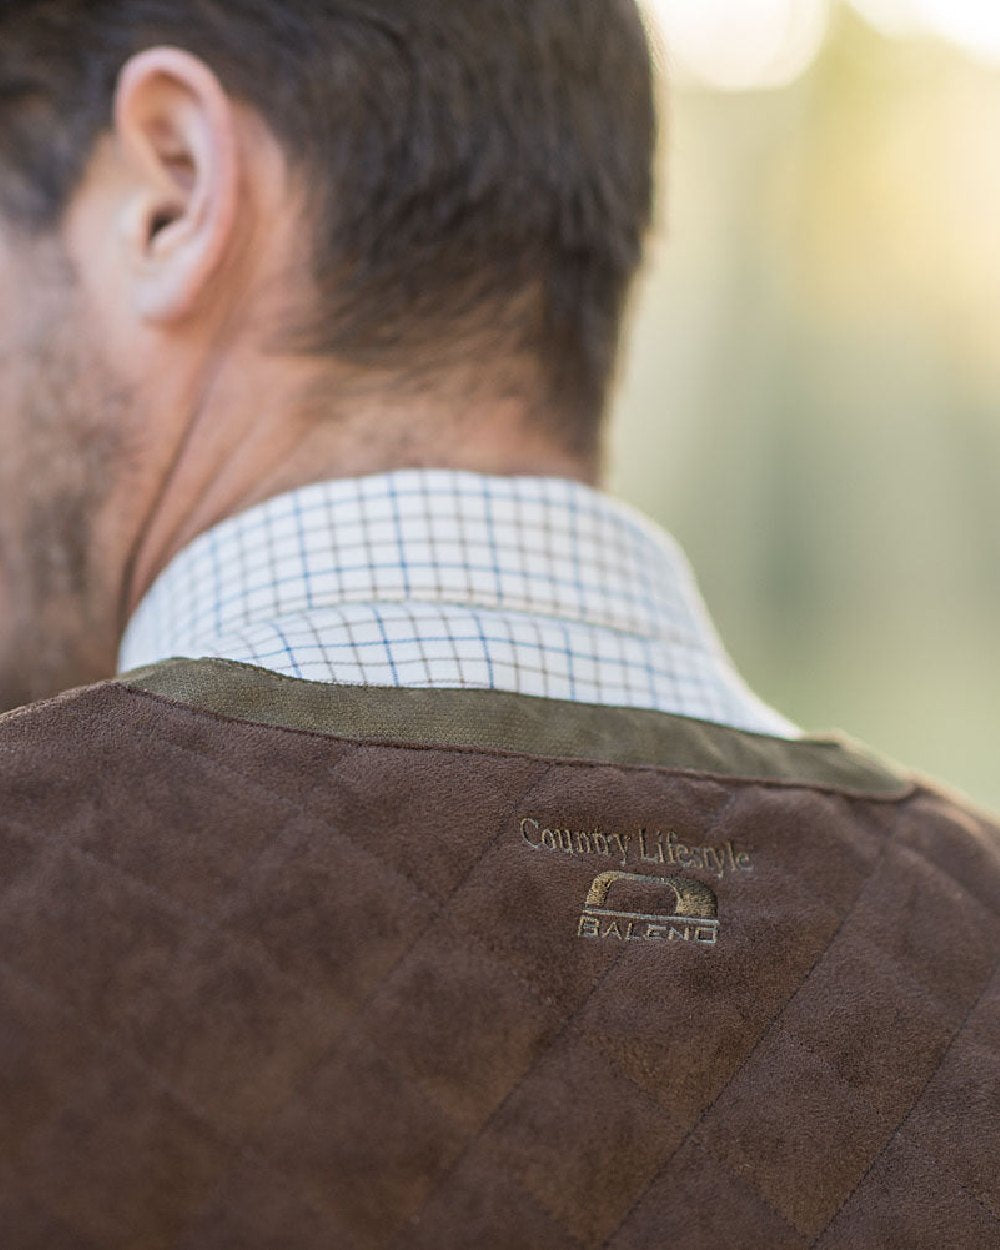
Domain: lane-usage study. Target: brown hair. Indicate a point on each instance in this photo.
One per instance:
(462, 154)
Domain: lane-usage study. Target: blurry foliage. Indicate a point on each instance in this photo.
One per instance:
(812, 402)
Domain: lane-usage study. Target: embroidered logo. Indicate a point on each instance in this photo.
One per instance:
(631, 907)
(635, 847)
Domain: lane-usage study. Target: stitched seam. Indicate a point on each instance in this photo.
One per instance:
(274, 678)
(181, 910)
(224, 931)
(899, 1127)
(178, 910)
(905, 792)
(752, 1184)
(749, 1180)
(254, 1156)
(941, 873)
(498, 959)
(515, 1088)
(258, 949)
(746, 1180)
(359, 1011)
(299, 808)
(775, 1021)
(978, 1199)
(544, 1207)
(498, 962)
(238, 1148)
(525, 1195)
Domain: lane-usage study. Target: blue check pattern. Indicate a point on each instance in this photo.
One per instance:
(437, 578)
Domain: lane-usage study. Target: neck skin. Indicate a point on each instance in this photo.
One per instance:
(221, 415)
(256, 437)
(154, 381)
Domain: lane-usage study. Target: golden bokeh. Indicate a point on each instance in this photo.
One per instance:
(812, 400)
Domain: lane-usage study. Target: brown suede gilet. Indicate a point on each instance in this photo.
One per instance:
(298, 967)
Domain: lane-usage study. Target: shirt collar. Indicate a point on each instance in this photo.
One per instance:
(538, 546)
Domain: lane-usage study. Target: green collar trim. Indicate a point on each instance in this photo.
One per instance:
(519, 724)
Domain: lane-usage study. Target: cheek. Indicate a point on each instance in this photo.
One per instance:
(15, 430)
(32, 296)
(39, 392)
(13, 309)
(96, 245)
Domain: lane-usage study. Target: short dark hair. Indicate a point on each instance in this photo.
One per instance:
(467, 157)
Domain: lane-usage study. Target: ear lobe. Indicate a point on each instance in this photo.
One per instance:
(177, 130)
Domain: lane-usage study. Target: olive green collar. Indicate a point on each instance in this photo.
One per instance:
(522, 724)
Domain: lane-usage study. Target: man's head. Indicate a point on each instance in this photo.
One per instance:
(246, 244)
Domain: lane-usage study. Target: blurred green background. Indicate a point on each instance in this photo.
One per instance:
(812, 399)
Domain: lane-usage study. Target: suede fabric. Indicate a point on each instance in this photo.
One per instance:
(266, 986)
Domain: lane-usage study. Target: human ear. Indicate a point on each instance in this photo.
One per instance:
(177, 134)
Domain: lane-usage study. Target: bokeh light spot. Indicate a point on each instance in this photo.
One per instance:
(740, 45)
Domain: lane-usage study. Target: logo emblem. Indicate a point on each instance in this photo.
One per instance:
(631, 907)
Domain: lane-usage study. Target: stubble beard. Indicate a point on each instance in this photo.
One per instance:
(60, 455)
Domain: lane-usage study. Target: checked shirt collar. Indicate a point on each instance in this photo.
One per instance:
(439, 578)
